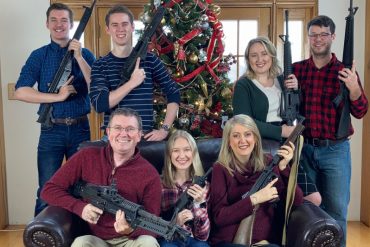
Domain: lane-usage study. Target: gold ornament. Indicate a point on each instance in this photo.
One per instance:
(179, 73)
(163, 21)
(215, 9)
(209, 102)
(203, 86)
(193, 58)
(173, 21)
(226, 92)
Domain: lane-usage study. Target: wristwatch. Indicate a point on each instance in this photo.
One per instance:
(165, 127)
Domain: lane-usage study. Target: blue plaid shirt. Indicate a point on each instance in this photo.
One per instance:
(42, 65)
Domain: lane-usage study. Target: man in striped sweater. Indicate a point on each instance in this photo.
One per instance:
(107, 94)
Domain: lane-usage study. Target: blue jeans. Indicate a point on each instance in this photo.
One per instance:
(189, 242)
(330, 168)
(54, 143)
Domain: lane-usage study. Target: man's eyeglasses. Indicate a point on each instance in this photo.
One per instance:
(317, 35)
(129, 130)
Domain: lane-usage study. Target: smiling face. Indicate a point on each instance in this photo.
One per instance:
(59, 25)
(242, 142)
(120, 29)
(260, 60)
(181, 154)
(320, 39)
(123, 134)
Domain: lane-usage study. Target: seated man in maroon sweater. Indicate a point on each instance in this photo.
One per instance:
(121, 161)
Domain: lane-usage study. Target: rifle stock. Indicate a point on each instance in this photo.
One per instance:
(267, 174)
(108, 199)
(345, 118)
(290, 100)
(64, 70)
(141, 47)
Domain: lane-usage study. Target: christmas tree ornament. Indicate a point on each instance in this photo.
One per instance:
(163, 21)
(179, 73)
(226, 93)
(184, 121)
(193, 58)
(215, 8)
(203, 86)
(202, 56)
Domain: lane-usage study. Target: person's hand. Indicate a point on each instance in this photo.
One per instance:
(286, 152)
(268, 193)
(76, 47)
(286, 130)
(184, 216)
(137, 76)
(198, 193)
(156, 135)
(91, 214)
(349, 77)
(66, 90)
(291, 82)
(121, 225)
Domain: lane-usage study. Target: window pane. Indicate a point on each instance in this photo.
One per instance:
(296, 39)
(248, 30)
(230, 28)
(139, 26)
(73, 30)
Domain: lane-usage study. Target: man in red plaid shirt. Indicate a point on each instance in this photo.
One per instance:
(327, 159)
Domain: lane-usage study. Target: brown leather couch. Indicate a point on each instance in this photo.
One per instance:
(308, 224)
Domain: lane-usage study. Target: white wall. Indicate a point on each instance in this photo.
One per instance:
(338, 11)
(22, 28)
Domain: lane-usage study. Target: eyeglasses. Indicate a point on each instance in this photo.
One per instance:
(129, 130)
(317, 35)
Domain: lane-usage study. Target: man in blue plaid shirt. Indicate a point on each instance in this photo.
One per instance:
(70, 105)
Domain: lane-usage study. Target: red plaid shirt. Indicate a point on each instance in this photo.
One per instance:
(201, 227)
(318, 89)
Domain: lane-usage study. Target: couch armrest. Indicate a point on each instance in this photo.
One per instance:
(310, 226)
(54, 226)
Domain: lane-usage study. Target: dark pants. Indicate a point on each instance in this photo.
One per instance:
(55, 143)
(240, 245)
(189, 242)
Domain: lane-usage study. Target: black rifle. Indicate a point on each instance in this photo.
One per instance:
(345, 117)
(268, 174)
(64, 70)
(108, 199)
(141, 47)
(289, 110)
(185, 198)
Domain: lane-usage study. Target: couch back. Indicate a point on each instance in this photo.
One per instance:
(208, 149)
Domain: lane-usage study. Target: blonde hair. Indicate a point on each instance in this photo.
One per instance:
(169, 170)
(228, 159)
(275, 69)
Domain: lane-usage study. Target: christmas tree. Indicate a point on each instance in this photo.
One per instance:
(189, 43)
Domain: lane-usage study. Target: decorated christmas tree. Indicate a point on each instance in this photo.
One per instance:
(189, 42)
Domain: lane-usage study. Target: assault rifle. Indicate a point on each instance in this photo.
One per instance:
(345, 117)
(268, 174)
(290, 101)
(64, 70)
(185, 198)
(108, 199)
(141, 47)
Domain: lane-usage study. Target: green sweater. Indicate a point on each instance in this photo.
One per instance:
(250, 100)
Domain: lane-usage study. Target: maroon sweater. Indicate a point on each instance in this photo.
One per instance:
(137, 181)
(228, 209)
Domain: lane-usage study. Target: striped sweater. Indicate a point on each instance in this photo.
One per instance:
(105, 76)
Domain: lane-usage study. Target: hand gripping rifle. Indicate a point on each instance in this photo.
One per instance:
(345, 117)
(185, 198)
(140, 49)
(290, 100)
(108, 199)
(268, 174)
(64, 70)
